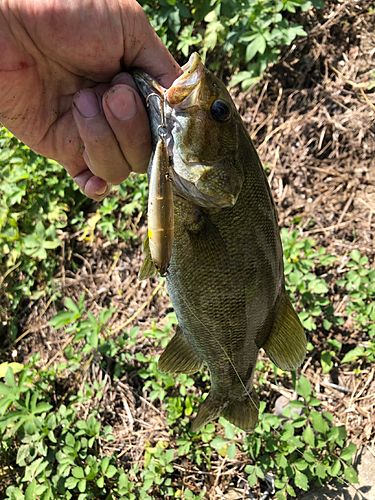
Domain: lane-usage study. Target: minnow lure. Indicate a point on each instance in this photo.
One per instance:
(160, 201)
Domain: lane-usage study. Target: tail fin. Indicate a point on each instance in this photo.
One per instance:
(286, 345)
(242, 413)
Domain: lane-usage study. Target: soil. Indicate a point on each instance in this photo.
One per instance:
(312, 119)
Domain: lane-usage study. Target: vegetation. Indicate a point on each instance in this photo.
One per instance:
(53, 450)
(248, 34)
(57, 454)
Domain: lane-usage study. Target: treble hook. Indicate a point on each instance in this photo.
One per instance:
(162, 129)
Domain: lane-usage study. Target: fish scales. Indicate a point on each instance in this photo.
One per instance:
(225, 277)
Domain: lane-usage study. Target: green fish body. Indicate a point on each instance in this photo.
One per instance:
(225, 277)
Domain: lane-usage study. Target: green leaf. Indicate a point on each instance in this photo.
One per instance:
(351, 475)
(301, 465)
(9, 378)
(257, 45)
(71, 483)
(78, 472)
(23, 453)
(348, 452)
(334, 343)
(308, 436)
(16, 368)
(231, 451)
(297, 404)
(290, 490)
(218, 442)
(355, 255)
(335, 468)
(30, 493)
(318, 286)
(69, 439)
(92, 338)
(111, 471)
(304, 387)
(319, 424)
(100, 482)
(62, 318)
(326, 361)
(82, 485)
(301, 480)
(354, 354)
(104, 464)
(320, 471)
(42, 407)
(71, 305)
(230, 431)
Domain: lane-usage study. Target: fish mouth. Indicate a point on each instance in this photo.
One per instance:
(146, 83)
(193, 72)
(184, 85)
(181, 88)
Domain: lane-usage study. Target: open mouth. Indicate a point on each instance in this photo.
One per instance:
(182, 87)
(193, 71)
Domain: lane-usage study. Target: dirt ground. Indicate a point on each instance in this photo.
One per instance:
(312, 120)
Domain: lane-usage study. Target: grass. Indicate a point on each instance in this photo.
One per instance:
(54, 453)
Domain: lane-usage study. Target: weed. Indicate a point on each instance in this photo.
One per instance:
(39, 202)
(303, 285)
(248, 34)
(58, 454)
(359, 285)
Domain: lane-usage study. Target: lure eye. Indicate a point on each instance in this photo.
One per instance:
(220, 111)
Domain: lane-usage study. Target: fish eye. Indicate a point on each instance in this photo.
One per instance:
(220, 110)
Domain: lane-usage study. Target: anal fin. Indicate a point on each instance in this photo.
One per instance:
(179, 356)
(286, 345)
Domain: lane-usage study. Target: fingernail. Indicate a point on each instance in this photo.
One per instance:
(87, 104)
(121, 102)
(102, 191)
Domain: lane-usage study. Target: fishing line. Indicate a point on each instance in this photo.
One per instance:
(251, 398)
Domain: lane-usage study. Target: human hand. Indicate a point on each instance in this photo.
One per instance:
(62, 89)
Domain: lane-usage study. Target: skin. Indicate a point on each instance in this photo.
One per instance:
(63, 89)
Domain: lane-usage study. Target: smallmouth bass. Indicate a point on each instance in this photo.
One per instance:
(225, 277)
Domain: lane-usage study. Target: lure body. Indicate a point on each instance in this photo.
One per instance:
(160, 208)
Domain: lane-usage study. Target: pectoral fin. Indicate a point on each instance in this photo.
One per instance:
(286, 345)
(148, 268)
(179, 356)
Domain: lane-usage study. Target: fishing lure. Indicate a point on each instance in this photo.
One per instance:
(160, 201)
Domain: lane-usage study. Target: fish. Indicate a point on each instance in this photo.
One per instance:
(225, 276)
